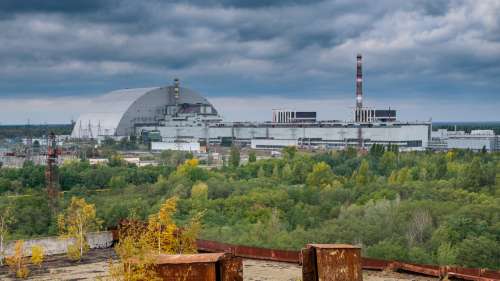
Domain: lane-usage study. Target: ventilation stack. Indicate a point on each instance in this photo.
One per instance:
(359, 82)
(176, 94)
(359, 98)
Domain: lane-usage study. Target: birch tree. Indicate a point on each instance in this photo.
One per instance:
(75, 223)
(6, 219)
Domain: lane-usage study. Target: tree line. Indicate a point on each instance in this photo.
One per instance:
(423, 207)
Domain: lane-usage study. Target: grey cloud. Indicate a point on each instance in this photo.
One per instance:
(54, 6)
(420, 48)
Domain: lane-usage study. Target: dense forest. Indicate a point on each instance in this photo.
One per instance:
(36, 131)
(434, 208)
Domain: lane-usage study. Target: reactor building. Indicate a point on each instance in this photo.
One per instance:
(175, 114)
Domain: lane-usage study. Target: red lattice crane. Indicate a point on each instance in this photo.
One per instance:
(51, 173)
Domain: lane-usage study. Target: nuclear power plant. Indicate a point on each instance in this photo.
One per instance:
(177, 115)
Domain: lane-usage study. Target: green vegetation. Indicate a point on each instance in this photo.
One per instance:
(439, 208)
(18, 131)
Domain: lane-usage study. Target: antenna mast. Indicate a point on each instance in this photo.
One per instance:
(29, 143)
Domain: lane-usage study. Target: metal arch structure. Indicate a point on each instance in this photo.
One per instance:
(133, 107)
(152, 107)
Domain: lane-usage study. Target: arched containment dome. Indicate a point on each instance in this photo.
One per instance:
(139, 107)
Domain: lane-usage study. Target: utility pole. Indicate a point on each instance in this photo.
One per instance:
(29, 143)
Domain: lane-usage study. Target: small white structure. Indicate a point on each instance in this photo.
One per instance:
(96, 161)
(272, 143)
(179, 146)
(132, 160)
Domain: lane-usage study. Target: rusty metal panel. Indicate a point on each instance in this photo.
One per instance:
(267, 254)
(197, 267)
(423, 269)
(374, 264)
(213, 246)
(309, 265)
(231, 268)
(249, 252)
(189, 258)
(338, 263)
(187, 272)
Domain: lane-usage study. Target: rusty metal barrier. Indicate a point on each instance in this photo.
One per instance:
(249, 252)
(472, 274)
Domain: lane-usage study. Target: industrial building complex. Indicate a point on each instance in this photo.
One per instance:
(175, 114)
(476, 140)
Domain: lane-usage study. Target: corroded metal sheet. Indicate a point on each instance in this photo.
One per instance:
(339, 264)
(308, 265)
(231, 268)
(187, 272)
(249, 252)
(197, 267)
(190, 259)
(266, 254)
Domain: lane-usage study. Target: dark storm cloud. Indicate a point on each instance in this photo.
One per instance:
(434, 48)
(54, 6)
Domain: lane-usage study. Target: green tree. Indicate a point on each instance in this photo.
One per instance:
(117, 182)
(479, 252)
(199, 195)
(387, 163)
(362, 175)
(116, 160)
(287, 173)
(276, 172)
(289, 152)
(252, 157)
(478, 174)
(261, 173)
(234, 156)
(387, 250)
(321, 175)
(377, 150)
(446, 254)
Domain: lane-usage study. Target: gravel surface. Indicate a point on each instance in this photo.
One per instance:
(96, 263)
(255, 270)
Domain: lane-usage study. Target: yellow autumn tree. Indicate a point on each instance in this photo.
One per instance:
(140, 243)
(75, 223)
(187, 166)
(16, 262)
(37, 255)
(162, 228)
(6, 219)
(135, 251)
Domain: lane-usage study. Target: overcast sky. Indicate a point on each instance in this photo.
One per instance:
(429, 59)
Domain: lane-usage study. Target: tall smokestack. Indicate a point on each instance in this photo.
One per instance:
(359, 82)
